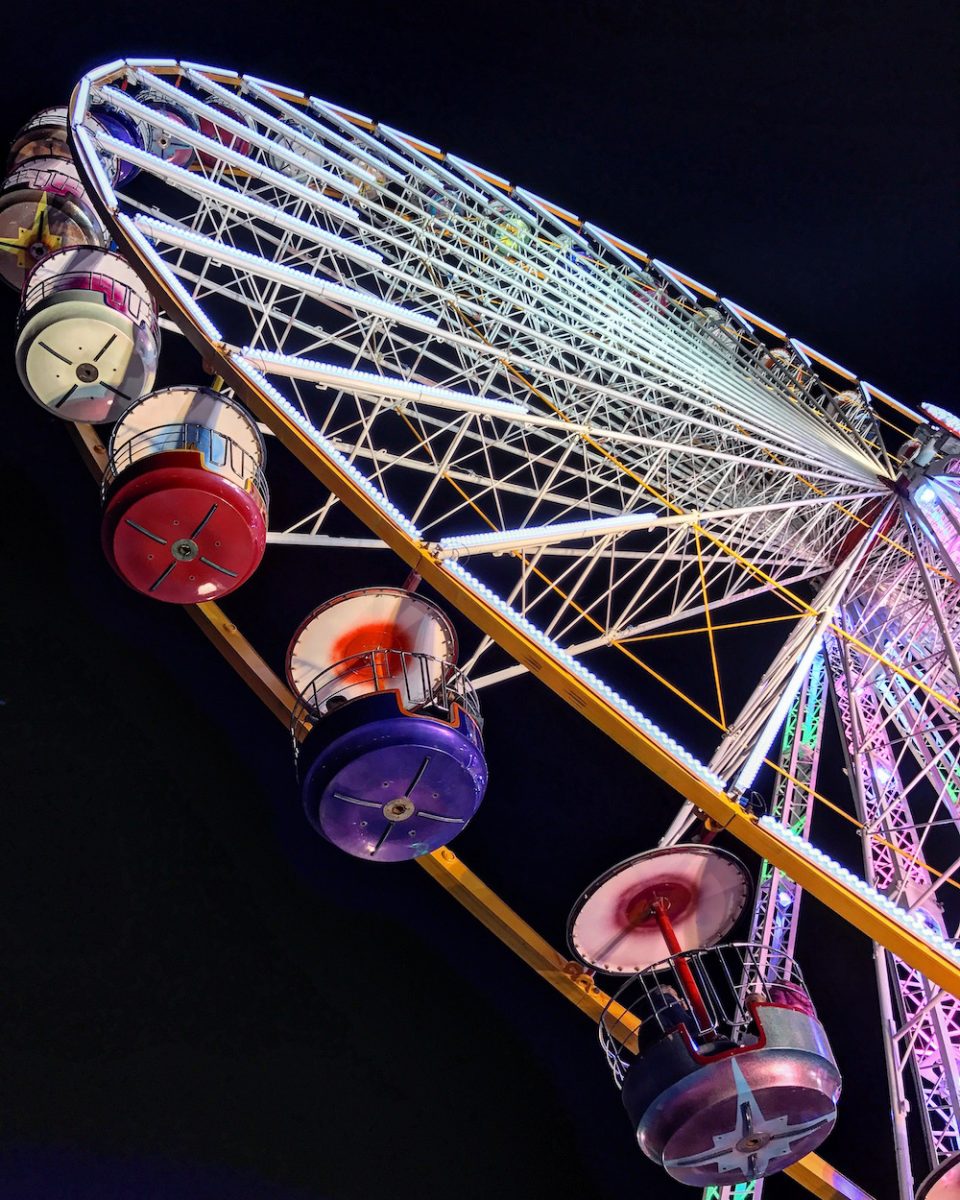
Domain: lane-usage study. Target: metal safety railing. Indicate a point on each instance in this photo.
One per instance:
(221, 454)
(729, 978)
(424, 684)
(120, 297)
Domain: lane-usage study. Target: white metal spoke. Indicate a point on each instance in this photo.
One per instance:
(597, 449)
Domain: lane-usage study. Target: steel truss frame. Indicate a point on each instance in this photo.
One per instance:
(776, 907)
(624, 456)
(920, 1023)
(568, 978)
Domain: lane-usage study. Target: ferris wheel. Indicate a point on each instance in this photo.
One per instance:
(595, 458)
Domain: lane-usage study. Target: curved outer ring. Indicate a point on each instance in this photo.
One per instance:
(483, 611)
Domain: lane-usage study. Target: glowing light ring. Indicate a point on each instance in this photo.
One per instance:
(940, 416)
(570, 324)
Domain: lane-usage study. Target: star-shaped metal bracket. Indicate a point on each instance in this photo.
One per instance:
(36, 234)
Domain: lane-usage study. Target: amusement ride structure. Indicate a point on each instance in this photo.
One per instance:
(597, 460)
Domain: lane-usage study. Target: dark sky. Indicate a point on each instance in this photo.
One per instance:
(203, 1000)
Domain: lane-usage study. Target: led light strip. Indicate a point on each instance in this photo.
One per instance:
(824, 361)
(912, 921)
(672, 275)
(732, 310)
(367, 382)
(199, 184)
(481, 173)
(275, 87)
(83, 93)
(799, 348)
(322, 133)
(135, 63)
(549, 210)
(264, 268)
(195, 66)
(92, 161)
(623, 250)
(496, 541)
(690, 282)
(408, 140)
(173, 283)
(218, 150)
(752, 319)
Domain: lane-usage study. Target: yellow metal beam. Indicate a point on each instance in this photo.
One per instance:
(248, 664)
(443, 865)
(483, 903)
(811, 1172)
(455, 877)
(840, 898)
(824, 1181)
(848, 904)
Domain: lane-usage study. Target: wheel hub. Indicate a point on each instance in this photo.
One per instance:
(400, 809)
(184, 549)
(753, 1142)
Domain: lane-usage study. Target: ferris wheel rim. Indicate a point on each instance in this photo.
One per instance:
(678, 769)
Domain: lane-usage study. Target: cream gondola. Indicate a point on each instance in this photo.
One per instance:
(88, 335)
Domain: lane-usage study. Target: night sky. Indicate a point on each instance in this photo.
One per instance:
(201, 998)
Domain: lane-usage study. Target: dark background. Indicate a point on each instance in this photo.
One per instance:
(200, 998)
